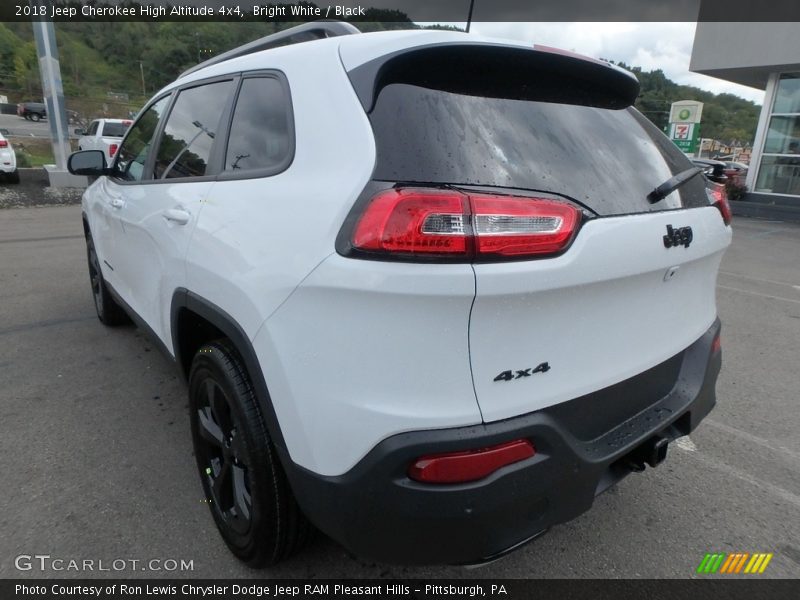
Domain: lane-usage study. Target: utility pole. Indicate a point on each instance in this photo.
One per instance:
(50, 70)
(469, 16)
(141, 70)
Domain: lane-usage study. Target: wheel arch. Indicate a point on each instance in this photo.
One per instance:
(195, 321)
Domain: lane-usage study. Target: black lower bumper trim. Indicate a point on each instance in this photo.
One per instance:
(377, 512)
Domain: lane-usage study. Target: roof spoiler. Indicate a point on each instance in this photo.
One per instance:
(306, 32)
(515, 72)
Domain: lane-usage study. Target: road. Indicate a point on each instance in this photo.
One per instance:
(17, 126)
(98, 464)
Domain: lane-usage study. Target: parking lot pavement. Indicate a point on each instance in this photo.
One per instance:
(17, 126)
(97, 458)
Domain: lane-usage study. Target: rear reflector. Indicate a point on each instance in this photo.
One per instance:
(469, 465)
(716, 345)
(449, 223)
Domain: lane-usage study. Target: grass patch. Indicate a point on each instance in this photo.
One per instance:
(33, 152)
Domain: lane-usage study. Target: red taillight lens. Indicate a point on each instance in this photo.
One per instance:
(112, 150)
(3, 143)
(470, 465)
(447, 223)
(719, 198)
(414, 222)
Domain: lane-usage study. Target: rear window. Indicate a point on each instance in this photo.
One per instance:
(607, 160)
(115, 129)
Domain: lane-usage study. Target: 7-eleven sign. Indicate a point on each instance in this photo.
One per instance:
(684, 125)
(685, 136)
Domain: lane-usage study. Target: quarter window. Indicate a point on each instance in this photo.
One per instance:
(134, 151)
(185, 147)
(260, 137)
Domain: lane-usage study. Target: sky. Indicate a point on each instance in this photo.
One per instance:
(665, 46)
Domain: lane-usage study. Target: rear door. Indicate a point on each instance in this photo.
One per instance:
(630, 290)
(159, 215)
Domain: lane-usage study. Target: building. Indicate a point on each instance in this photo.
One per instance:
(765, 56)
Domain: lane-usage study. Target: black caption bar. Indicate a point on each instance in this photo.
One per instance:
(512, 589)
(447, 11)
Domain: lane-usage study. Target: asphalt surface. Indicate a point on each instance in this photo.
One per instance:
(97, 459)
(17, 126)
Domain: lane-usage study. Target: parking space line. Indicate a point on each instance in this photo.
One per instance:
(759, 279)
(41, 239)
(752, 438)
(766, 486)
(40, 324)
(771, 297)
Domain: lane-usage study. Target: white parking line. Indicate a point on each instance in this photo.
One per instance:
(753, 439)
(772, 281)
(771, 297)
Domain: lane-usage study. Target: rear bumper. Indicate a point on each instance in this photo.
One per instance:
(375, 511)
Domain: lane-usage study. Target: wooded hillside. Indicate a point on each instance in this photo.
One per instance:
(112, 68)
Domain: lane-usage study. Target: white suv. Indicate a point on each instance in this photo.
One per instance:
(431, 292)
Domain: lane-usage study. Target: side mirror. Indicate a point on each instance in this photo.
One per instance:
(79, 131)
(87, 162)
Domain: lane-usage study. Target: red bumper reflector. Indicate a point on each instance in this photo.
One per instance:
(469, 465)
(716, 345)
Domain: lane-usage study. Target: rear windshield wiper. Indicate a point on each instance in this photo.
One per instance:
(672, 184)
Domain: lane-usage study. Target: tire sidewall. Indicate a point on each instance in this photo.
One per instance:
(209, 362)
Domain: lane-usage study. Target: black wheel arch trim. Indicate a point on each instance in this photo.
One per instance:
(225, 323)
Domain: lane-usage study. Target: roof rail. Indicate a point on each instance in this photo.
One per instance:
(306, 32)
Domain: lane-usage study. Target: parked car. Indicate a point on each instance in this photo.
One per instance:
(714, 170)
(33, 111)
(736, 171)
(104, 135)
(8, 161)
(431, 292)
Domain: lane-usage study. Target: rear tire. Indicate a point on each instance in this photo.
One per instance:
(13, 177)
(242, 477)
(35, 118)
(108, 311)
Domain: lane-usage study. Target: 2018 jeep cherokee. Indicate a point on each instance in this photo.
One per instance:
(431, 292)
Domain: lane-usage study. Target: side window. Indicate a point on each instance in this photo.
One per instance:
(93, 128)
(261, 136)
(133, 153)
(188, 137)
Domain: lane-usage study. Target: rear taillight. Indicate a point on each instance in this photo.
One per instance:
(451, 224)
(719, 198)
(3, 143)
(469, 465)
(112, 150)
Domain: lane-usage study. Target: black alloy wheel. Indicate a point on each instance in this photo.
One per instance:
(242, 477)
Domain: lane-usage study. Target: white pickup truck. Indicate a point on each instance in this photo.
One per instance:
(105, 135)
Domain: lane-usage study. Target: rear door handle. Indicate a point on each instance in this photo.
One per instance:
(177, 215)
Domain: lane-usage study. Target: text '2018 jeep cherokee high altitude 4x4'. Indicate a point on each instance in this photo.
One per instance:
(431, 292)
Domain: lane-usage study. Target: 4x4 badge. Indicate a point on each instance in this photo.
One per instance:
(682, 236)
(519, 374)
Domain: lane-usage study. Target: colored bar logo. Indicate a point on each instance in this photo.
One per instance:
(734, 563)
